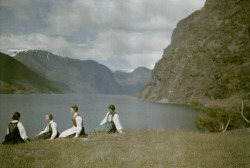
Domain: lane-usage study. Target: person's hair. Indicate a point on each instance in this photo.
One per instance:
(112, 107)
(74, 107)
(16, 116)
(50, 116)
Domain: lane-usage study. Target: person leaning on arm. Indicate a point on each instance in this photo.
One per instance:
(111, 122)
(77, 128)
(50, 131)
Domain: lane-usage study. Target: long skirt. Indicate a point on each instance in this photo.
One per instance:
(107, 127)
(46, 135)
(72, 132)
(13, 139)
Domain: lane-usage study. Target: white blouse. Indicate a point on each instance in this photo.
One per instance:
(78, 127)
(20, 128)
(54, 129)
(116, 121)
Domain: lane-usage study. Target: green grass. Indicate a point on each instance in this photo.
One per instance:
(145, 148)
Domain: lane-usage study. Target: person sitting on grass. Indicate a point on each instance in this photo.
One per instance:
(111, 122)
(50, 132)
(15, 131)
(77, 128)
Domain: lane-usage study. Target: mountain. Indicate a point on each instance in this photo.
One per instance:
(208, 58)
(133, 82)
(78, 76)
(207, 65)
(17, 78)
(71, 74)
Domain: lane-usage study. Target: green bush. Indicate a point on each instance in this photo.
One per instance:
(215, 119)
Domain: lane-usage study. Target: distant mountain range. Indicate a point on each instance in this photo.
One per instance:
(17, 78)
(133, 82)
(71, 74)
(78, 76)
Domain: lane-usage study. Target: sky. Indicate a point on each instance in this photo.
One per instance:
(121, 34)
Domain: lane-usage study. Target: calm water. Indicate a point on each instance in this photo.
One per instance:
(134, 113)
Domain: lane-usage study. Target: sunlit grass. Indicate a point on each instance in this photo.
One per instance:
(147, 148)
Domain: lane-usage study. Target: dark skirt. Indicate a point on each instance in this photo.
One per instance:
(83, 131)
(13, 139)
(107, 127)
(46, 135)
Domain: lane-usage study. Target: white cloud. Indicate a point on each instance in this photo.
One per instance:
(123, 34)
(134, 49)
(33, 41)
(95, 15)
(121, 47)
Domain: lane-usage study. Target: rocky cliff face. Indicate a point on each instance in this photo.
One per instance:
(208, 58)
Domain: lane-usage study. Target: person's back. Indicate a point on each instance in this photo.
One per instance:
(14, 136)
(15, 131)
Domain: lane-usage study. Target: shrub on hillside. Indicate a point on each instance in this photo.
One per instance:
(220, 119)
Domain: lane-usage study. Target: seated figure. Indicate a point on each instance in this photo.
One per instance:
(77, 128)
(111, 122)
(15, 131)
(50, 131)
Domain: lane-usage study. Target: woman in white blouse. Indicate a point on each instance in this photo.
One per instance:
(111, 122)
(50, 131)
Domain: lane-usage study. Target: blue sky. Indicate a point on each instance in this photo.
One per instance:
(120, 34)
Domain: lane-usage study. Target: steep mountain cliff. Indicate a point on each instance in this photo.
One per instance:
(17, 78)
(208, 59)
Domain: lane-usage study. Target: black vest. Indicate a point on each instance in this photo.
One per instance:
(51, 131)
(14, 136)
(114, 129)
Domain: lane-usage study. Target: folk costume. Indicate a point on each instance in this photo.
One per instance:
(50, 131)
(110, 123)
(15, 133)
(77, 129)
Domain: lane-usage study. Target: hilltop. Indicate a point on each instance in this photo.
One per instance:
(145, 148)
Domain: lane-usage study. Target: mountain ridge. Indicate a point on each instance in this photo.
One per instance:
(207, 66)
(206, 48)
(15, 77)
(74, 75)
(133, 81)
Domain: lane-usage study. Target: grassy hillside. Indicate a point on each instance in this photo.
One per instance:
(17, 78)
(148, 148)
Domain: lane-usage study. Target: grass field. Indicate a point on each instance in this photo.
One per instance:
(144, 148)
